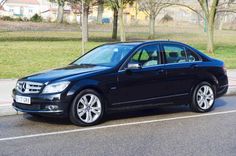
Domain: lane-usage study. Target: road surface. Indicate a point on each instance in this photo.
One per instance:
(163, 131)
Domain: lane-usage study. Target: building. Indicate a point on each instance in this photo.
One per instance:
(22, 8)
(27, 8)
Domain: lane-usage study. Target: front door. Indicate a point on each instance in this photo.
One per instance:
(143, 84)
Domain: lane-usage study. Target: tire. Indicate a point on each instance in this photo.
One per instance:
(87, 108)
(203, 97)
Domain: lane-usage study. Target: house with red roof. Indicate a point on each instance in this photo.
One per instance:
(28, 8)
(22, 8)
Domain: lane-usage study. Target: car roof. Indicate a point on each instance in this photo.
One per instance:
(138, 43)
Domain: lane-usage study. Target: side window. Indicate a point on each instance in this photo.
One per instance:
(147, 56)
(175, 53)
(192, 56)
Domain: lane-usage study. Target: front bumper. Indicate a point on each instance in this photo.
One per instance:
(51, 104)
(46, 111)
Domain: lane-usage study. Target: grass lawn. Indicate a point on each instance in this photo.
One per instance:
(23, 53)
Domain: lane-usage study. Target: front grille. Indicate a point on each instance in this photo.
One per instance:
(28, 87)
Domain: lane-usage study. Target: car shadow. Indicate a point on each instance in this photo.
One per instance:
(162, 110)
(219, 103)
(147, 112)
(46, 119)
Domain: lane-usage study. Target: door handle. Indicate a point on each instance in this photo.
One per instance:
(160, 71)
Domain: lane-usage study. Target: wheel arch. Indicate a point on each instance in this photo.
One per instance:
(76, 89)
(209, 79)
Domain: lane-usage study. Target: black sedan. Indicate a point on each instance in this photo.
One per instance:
(124, 76)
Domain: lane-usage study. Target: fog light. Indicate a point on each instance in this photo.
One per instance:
(52, 107)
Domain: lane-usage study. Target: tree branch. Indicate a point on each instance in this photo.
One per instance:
(186, 6)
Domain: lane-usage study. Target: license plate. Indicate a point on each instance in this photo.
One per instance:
(23, 99)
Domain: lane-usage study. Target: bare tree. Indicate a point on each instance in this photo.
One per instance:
(100, 10)
(119, 5)
(60, 9)
(85, 34)
(230, 7)
(210, 8)
(85, 13)
(152, 8)
(114, 6)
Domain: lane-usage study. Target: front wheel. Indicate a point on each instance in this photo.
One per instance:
(87, 108)
(203, 97)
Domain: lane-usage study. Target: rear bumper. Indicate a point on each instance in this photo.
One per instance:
(222, 90)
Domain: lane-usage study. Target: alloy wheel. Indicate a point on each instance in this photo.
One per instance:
(205, 97)
(89, 108)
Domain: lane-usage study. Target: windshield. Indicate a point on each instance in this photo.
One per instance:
(107, 55)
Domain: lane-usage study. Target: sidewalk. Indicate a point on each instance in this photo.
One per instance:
(232, 78)
(6, 86)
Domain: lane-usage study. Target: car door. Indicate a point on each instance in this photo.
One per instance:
(180, 67)
(142, 84)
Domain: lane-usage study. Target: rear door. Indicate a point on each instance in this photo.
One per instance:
(181, 68)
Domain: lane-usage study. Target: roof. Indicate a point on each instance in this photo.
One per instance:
(137, 43)
(34, 2)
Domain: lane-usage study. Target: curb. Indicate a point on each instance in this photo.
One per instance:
(231, 91)
(7, 109)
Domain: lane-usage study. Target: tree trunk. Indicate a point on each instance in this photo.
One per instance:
(115, 23)
(85, 23)
(100, 11)
(223, 17)
(221, 22)
(121, 23)
(60, 12)
(211, 26)
(136, 12)
(210, 37)
(152, 21)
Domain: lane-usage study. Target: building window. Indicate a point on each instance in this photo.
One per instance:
(30, 10)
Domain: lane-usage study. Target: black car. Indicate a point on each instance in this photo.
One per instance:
(121, 76)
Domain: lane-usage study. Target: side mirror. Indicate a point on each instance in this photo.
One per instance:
(134, 66)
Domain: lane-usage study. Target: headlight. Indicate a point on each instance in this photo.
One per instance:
(56, 87)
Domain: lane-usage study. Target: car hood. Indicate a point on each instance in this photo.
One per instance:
(60, 73)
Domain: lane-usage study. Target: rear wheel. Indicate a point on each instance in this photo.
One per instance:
(87, 108)
(203, 97)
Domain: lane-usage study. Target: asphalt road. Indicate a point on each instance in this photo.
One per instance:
(163, 131)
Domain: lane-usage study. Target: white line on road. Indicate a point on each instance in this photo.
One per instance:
(115, 125)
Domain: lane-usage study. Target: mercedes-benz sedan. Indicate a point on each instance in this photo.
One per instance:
(118, 76)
